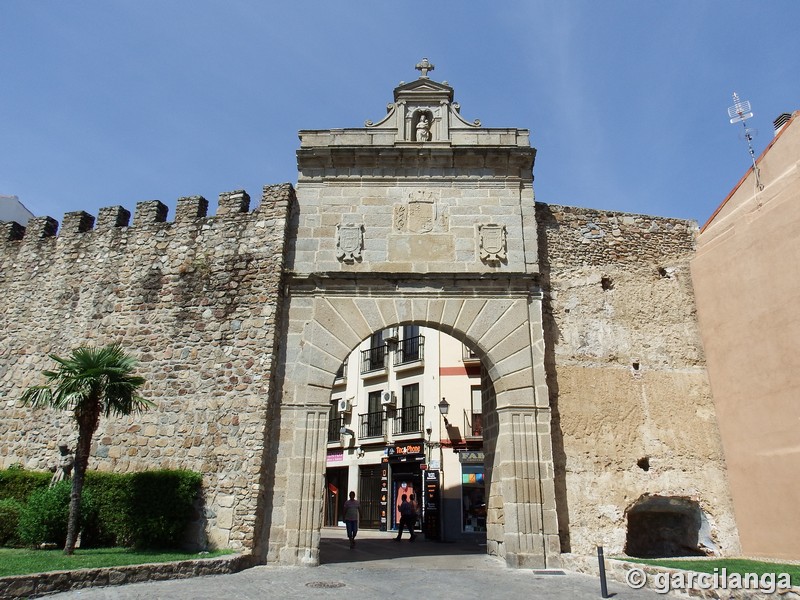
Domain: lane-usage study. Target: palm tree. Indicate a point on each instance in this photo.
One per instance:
(90, 382)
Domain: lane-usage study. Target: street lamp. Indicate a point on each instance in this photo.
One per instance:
(444, 408)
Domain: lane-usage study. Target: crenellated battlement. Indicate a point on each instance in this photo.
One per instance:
(190, 210)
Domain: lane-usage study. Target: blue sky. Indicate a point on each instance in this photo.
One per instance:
(108, 102)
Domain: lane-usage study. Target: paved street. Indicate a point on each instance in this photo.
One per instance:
(377, 568)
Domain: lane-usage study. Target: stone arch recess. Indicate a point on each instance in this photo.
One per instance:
(323, 328)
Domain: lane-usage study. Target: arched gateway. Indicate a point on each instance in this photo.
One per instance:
(422, 218)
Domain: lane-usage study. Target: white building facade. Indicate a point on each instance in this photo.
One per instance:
(406, 418)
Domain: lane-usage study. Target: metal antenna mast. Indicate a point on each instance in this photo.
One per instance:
(739, 113)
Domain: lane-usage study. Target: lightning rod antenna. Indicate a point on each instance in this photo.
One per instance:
(739, 113)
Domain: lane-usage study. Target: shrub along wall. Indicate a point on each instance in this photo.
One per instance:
(17, 484)
(149, 509)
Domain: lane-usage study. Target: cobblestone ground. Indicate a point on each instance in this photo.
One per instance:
(378, 568)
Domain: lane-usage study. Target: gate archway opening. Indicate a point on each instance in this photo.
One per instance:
(406, 417)
(323, 329)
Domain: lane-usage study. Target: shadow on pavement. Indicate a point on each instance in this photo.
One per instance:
(372, 545)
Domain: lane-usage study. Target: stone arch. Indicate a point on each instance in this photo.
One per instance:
(322, 329)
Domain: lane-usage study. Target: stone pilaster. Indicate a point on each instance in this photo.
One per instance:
(297, 490)
(523, 498)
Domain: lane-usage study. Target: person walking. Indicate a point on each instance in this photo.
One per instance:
(416, 517)
(407, 517)
(352, 513)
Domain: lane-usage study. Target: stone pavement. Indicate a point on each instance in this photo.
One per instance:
(377, 568)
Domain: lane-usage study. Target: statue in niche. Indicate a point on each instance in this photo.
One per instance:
(423, 128)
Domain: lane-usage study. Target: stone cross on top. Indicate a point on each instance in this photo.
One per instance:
(423, 67)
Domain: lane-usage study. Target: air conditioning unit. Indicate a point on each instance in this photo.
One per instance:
(345, 405)
(387, 399)
(392, 334)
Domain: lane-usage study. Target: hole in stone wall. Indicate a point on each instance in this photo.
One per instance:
(643, 463)
(664, 527)
(635, 366)
(606, 283)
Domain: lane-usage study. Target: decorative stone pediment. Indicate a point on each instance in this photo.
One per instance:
(423, 111)
(423, 116)
(423, 86)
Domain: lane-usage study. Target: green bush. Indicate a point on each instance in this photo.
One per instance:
(108, 522)
(161, 524)
(9, 520)
(17, 483)
(150, 509)
(43, 519)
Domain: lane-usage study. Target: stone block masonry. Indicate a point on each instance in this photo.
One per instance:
(195, 301)
(632, 407)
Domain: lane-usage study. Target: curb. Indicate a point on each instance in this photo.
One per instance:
(41, 584)
(617, 570)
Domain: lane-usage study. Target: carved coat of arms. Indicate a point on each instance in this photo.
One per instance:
(420, 214)
(492, 242)
(349, 241)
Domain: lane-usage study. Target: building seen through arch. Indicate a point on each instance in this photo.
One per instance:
(406, 417)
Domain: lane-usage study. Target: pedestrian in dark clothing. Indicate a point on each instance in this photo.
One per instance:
(408, 515)
(352, 512)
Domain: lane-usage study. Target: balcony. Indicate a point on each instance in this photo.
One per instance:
(469, 356)
(373, 361)
(408, 420)
(473, 427)
(335, 425)
(341, 375)
(372, 425)
(410, 352)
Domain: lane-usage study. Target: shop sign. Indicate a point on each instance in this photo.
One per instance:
(335, 455)
(384, 492)
(408, 449)
(470, 456)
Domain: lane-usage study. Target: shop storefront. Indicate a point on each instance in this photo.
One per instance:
(473, 491)
(401, 475)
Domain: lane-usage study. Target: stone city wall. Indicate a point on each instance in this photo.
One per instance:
(632, 405)
(195, 301)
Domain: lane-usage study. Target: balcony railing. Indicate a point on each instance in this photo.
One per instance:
(410, 419)
(335, 425)
(341, 374)
(474, 426)
(372, 424)
(469, 355)
(373, 359)
(410, 350)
